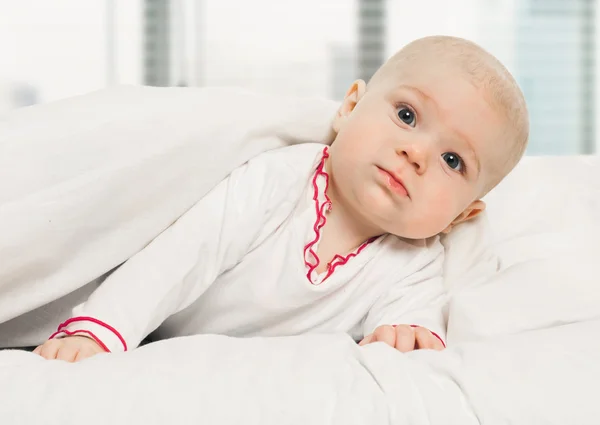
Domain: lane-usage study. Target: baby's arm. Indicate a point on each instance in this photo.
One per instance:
(174, 269)
(410, 316)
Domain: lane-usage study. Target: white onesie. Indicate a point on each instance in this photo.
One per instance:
(241, 263)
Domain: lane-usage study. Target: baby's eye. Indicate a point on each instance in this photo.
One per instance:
(454, 161)
(407, 116)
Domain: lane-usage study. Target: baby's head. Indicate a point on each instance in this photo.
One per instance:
(438, 126)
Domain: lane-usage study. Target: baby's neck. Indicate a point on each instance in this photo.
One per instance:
(344, 230)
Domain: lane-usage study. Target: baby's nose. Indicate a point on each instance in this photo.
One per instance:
(416, 155)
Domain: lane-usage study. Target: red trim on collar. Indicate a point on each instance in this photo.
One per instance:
(311, 259)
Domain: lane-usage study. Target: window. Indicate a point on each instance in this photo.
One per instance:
(63, 48)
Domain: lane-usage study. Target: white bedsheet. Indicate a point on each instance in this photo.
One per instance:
(525, 355)
(544, 377)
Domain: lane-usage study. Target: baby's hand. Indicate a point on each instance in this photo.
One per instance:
(404, 338)
(69, 349)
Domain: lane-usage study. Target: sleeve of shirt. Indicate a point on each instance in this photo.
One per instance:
(418, 300)
(178, 266)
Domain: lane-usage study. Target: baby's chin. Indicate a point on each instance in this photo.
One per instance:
(415, 236)
(409, 229)
(406, 221)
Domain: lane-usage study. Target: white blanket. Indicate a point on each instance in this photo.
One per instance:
(86, 182)
(543, 377)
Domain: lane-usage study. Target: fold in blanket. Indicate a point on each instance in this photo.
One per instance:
(87, 182)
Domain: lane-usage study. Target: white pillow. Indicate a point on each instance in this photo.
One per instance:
(546, 194)
(559, 287)
(542, 236)
(469, 255)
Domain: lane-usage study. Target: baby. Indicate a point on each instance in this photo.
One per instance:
(340, 239)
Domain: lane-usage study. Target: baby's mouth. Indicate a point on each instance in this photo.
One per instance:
(394, 182)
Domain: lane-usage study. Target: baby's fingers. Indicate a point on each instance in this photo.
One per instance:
(405, 338)
(426, 340)
(48, 350)
(67, 354)
(87, 352)
(366, 340)
(385, 334)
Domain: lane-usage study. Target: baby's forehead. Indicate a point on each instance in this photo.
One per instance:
(449, 96)
(430, 81)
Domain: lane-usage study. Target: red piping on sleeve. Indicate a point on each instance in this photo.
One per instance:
(93, 320)
(82, 331)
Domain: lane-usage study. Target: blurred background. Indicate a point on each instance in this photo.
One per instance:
(52, 49)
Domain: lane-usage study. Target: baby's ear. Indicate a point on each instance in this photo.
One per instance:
(472, 211)
(354, 94)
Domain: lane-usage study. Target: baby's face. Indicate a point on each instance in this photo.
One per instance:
(415, 153)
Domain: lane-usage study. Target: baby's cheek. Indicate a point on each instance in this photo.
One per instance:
(434, 222)
(446, 202)
(439, 213)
